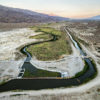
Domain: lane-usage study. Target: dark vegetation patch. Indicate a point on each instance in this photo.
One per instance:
(41, 73)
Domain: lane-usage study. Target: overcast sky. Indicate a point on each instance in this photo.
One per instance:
(65, 8)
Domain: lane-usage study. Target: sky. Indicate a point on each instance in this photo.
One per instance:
(64, 8)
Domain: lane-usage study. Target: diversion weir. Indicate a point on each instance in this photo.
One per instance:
(50, 82)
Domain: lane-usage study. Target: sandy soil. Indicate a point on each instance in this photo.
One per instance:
(88, 91)
(12, 39)
(68, 65)
(9, 42)
(10, 69)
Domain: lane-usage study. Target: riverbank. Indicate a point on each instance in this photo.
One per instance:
(88, 91)
(11, 59)
(20, 37)
(70, 64)
(10, 40)
(53, 49)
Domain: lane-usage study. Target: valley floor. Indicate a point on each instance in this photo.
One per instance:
(11, 41)
(88, 91)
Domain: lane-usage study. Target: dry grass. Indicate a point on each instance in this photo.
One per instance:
(50, 50)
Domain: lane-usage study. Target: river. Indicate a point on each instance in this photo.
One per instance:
(44, 83)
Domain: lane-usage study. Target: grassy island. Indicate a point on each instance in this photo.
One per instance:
(50, 50)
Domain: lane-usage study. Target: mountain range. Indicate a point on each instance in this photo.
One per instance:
(95, 17)
(16, 15)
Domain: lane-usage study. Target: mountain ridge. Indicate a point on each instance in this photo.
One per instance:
(17, 15)
(95, 17)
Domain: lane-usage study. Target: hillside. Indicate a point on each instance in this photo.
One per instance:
(15, 15)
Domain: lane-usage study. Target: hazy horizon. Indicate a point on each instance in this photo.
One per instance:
(64, 8)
